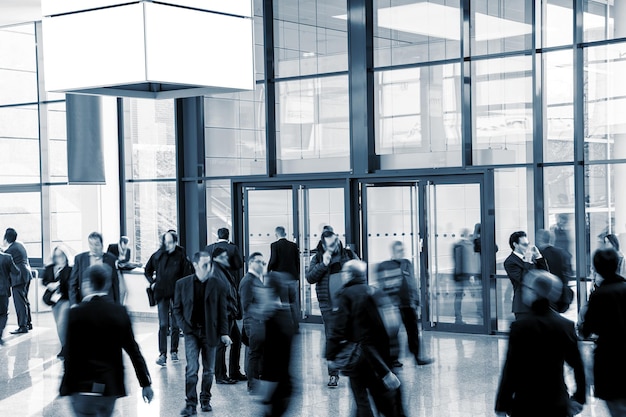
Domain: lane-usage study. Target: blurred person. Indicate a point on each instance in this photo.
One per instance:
(325, 267)
(396, 279)
(361, 317)
(8, 272)
(612, 242)
(558, 264)
(525, 257)
(605, 316)
(56, 279)
(279, 331)
(561, 232)
(82, 262)
(285, 257)
(253, 320)
(164, 268)
(21, 284)
(532, 382)
(234, 264)
(122, 253)
(97, 332)
(201, 309)
(466, 273)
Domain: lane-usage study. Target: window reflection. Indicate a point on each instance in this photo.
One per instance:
(500, 26)
(418, 117)
(502, 98)
(313, 129)
(603, 19)
(416, 31)
(22, 211)
(556, 26)
(558, 88)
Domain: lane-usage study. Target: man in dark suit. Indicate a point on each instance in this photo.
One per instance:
(253, 320)
(200, 309)
(558, 263)
(97, 331)
(8, 272)
(82, 262)
(524, 258)
(285, 257)
(232, 266)
(21, 283)
(121, 251)
(532, 383)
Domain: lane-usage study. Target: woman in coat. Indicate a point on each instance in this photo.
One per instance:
(56, 278)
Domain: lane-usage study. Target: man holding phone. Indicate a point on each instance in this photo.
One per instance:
(524, 258)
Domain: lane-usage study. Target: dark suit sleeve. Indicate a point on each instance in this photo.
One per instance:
(177, 308)
(514, 270)
(48, 276)
(271, 265)
(222, 310)
(541, 263)
(149, 269)
(506, 389)
(237, 261)
(132, 349)
(74, 290)
(14, 272)
(317, 270)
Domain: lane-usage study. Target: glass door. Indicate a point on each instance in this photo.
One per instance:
(452, 277)
(303, 210)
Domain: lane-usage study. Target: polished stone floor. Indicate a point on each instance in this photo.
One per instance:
(462, 381)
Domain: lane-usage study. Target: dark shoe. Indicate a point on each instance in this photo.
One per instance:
(21, 330)
(333, 381)
(174, 356)
(425, 361)
(397, 364)
(30, 327)
(240, 377)
(206, 407)
(190, 410)
(226, 381)
(162, 361)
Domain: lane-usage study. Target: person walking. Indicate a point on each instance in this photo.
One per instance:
(325, 267)
(56, 279)
(164, 268)
(285, 257)
(8, 272)
(605, 316)
(532, 382)
(97, 332)
(21, 284)
(201, 309)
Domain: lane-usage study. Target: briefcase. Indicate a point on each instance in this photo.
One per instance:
(151, 299)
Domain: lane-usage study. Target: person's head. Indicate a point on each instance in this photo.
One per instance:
(256, 262)
(202, 265)
(59, 256)
(220, 255)
(562, 220)
(96, 247)
(98, 280)
(605, 262)
(397, 250)
(543, 238)
(123, 243)
(611, 241)
(518, 241)
(540, 285)
(328, 228)
(10, 235)
(330, 241)
(169, 240)
(223, 233)
(353, 269)
(280, 232)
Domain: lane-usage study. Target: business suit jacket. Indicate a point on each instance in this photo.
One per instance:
(234, 257)
(532, 383)
(516, 268)
(285, 257)
(215, 310)
(63, 279)
(606, 317)
(97, 331)
(81, 264)
(8, 272)
(114, 249)
(20, 258)
(250, 284)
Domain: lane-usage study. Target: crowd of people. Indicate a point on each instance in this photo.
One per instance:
(215, 307)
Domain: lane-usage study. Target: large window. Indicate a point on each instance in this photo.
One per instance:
(313, 127)
(18, 64)
(219, 207)
(418, 117)
(558, 116)
(500, 26)
(416, 31)
(310, 37)
(19, 138)
(22, 211)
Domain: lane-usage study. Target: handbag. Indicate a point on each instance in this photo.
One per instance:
(151, 299)
(47, 298)
(349, 358)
